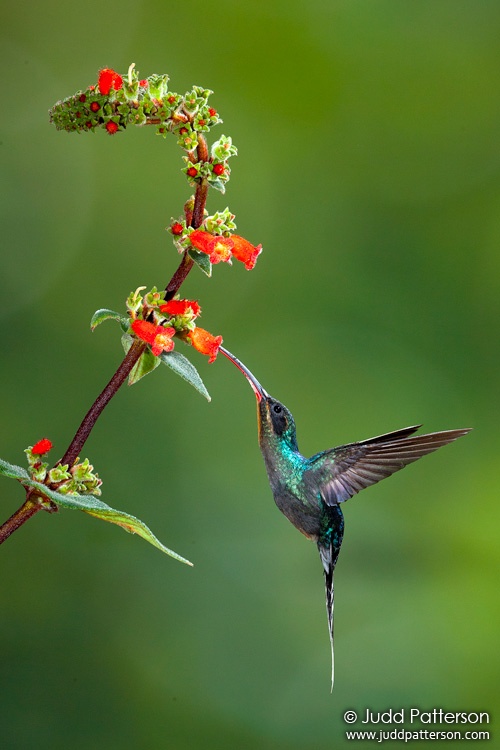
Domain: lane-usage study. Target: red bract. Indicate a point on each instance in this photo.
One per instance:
(245, 252)
(181, 307)
(111, 127)
(109, 79)
(43, 446)
(159, 337)
(205, 343)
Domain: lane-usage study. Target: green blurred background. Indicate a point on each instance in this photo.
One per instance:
(369, 168)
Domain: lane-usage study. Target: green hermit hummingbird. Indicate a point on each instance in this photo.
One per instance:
(308, 491)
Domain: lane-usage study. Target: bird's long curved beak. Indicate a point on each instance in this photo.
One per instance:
(259, 391)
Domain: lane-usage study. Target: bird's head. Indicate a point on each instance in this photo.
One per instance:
(274, 419)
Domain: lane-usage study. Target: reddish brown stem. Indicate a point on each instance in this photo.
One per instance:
(101, 401)
(28, 509)
(32, 505)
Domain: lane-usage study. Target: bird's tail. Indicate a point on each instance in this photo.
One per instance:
(329, 611)
(329, 543)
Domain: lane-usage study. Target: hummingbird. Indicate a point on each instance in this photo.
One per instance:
(309, 491)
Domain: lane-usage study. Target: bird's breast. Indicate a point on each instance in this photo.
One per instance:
(304, 517)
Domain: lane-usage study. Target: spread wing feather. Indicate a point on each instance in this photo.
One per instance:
(344, 471)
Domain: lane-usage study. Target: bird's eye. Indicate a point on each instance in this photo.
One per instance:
(277, 409)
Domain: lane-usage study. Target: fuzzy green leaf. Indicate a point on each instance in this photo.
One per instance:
(94, 507)
(104, 314)
(12, 471)
(183, 367)
(146, 363)
(202, 260)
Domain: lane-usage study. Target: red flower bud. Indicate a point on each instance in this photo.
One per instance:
(43, 446)
(205, 343)
(219, 169)
(177, 228)
(192, 172)
(95, 107)
(245, 252)
(111, 127)
(171, 99)
(159, 337)
(109, 79)
(144, 83)
(212, 112)
(82, 98)
(181, 307)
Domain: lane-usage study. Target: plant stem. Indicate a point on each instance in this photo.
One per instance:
(32, 506)
(28, 509)
(101, 401)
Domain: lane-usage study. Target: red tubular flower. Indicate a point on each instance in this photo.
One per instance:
(43, 446)
(111, 127)
(221, 250)
(201, 240)
(181, 307)
(159, 337)
(245, 252)
(205, 343)
(218, 248)
(109, 79)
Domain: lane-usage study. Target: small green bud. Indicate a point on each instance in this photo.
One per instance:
(222, 222)
(59, 474)
(223, 148)
(134, 300)
(158, 86)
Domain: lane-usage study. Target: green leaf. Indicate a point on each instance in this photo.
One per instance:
(12, 471)
(104, 314)
(94, 507)
(202, 260)
(146, 363)
(183, 367)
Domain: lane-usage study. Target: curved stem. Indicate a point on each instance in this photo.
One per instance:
(28, 509)
(32, 506)
(101, 401)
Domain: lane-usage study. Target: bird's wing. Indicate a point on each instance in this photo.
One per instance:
(342, 472)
